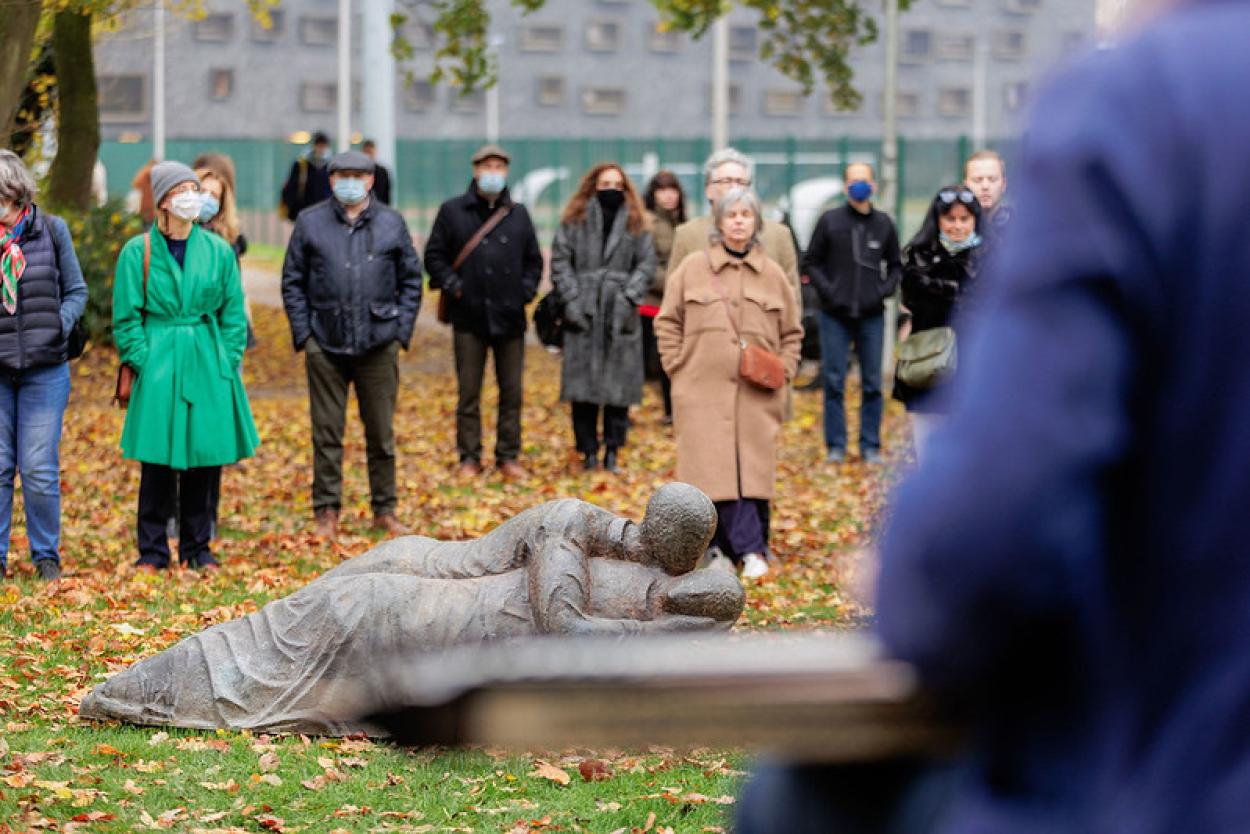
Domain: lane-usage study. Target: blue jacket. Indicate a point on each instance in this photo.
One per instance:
(1070, 563)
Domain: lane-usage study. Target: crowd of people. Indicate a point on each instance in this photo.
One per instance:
(709, 307)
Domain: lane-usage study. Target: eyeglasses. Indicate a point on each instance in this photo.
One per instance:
(963, 195)
(186, 187)
(742, 181)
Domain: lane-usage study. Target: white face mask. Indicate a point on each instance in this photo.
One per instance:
(185, 205)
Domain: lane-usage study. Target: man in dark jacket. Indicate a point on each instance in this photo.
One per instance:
(308, 183)
(853, 261)
(381, 176)
(486, 296)
(1068, 566)
(351, 285)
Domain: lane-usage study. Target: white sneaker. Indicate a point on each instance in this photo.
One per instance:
(753, 566)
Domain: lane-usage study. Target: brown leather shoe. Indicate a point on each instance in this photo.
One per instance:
(469, 469)
(512, 471)
(328, 523)
(390, 524)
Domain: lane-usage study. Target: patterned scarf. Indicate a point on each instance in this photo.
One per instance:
(956, 246)
(12, 262)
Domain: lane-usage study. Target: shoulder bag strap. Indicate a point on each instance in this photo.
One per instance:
(480, 235)
(147, 268)
(724, 297)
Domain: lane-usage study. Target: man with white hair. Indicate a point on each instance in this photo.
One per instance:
(726, 169)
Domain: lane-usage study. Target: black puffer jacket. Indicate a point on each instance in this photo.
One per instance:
(352, 287)
(50, 298)
(488, 294)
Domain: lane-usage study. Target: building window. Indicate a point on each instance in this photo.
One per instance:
(661, 40)
(954, 101)
(735, 99)
(418, 96)
(316, 97)
(542, 37)
(956, 47)
(213, 27)
(742, 43)
(220, 84)
(122, 98)
(319, 31)
(603, 36)
(783, 102)
(1022, 6)
(474, 102)
(1015, 96)
(551, 90)
(906, 104)
(917, 46)
(603, 101)
(277, 25)
(1009, 45)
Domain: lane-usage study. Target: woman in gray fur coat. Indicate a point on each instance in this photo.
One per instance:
(602, 263)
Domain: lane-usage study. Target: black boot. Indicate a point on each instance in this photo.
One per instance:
(609, 461)
(589, 462)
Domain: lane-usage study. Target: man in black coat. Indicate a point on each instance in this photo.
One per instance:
(351, 286)
(486, 296)
(853, 261)
(308, 183)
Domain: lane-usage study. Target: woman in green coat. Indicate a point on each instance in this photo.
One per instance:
(184, 333)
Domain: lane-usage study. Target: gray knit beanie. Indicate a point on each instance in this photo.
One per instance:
(167, 176)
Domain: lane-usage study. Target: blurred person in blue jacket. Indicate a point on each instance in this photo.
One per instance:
(1067, 566)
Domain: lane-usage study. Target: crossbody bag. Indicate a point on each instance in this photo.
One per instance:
(444, 311)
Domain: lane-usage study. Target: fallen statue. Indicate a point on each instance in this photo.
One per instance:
(565, 567)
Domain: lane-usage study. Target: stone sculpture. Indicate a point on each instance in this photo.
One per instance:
(565, 567)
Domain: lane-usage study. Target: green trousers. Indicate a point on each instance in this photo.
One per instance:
(376, 378)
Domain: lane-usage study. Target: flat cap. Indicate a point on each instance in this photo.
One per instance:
(487, 151)
(351, 161)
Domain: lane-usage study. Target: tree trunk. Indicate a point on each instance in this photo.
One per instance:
(78, 122)
(17, 36)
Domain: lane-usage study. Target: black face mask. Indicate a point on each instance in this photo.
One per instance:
(610, 198)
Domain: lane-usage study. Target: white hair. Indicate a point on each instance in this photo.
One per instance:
(16, 183)
(724, 157)
(731, 198)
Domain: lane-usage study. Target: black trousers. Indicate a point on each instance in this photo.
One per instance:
(742, 527)
(586, 426)
(189, 493)
(471, 350)
(651, 363)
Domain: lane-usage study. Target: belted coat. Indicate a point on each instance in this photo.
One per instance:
(188, 407)
(602, 363)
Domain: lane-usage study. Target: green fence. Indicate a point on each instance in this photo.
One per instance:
(798, 175)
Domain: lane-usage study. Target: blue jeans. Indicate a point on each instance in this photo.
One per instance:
(836, 337)
(32, 404)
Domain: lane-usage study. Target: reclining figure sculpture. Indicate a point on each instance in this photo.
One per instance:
(565, 567)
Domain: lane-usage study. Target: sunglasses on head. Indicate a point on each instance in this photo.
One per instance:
(963, 195)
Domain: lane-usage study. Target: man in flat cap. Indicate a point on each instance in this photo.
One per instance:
(351, 285)
(483, 254)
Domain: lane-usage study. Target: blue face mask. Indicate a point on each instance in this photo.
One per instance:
(491, 182)
(859, 191)
(349, 190)
(209, 206)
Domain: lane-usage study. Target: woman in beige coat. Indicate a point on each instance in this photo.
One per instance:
(726, 427)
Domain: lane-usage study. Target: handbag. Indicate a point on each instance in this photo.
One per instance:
(757, 365)
(126, 375)
(444, 303)
(927, 357)
(549, 320)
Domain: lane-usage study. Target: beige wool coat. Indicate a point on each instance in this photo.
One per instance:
(726, 429)
(693, 236)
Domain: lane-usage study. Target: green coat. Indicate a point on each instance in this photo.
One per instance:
(188, 407)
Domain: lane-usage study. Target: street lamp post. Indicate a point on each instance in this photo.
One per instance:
(345, 76)
(158, 81)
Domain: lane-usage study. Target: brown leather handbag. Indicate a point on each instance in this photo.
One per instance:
(126, 375)
(444, 311)
(757, 365)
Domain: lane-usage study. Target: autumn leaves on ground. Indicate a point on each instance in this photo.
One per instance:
(58, 641)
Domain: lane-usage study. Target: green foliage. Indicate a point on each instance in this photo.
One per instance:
(807, 40)
(98, 235)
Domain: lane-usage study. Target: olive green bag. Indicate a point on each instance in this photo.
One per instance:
(927, 357)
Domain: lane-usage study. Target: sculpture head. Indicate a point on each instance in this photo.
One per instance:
(711, 593)
(677, 527)
(623, 590)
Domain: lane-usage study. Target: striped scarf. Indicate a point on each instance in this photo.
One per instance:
(12, 262)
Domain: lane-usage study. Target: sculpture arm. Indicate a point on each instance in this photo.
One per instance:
(559, 590)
